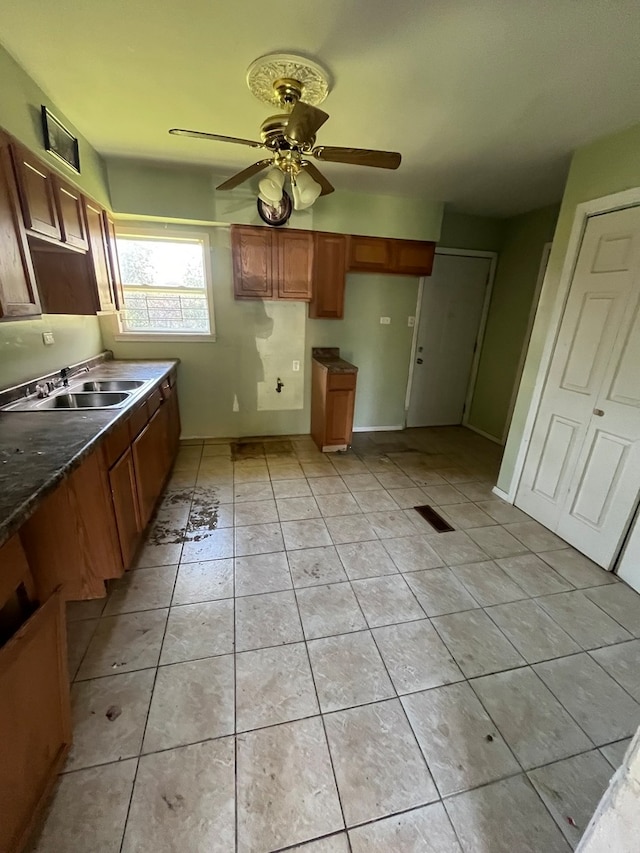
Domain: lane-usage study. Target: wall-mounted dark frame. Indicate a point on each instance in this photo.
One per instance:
(59, 141)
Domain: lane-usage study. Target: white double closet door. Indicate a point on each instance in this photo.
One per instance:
(581, 476)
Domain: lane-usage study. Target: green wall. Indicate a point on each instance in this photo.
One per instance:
(464, 231)
(22, 353)
(524, 238)
(610, 165)
(257, 341)
(381, 352)
(23, 356)
(174, 192)
(20, 102)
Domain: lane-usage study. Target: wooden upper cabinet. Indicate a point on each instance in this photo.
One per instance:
(99, 253)
(18, 292)
(390, 256)
(71, 215)
(370, 254)
(37, 194)
(329, 269)
(252, 276)
(413, 257)
(292, 257)
(114, 263)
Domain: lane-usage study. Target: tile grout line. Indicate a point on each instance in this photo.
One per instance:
(153, 688)
(320, 714)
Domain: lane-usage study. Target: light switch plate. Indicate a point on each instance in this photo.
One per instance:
(385, 321)
(411, 321)
(48, 339)
(296, 366)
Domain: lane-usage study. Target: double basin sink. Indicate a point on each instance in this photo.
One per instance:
(96, 394)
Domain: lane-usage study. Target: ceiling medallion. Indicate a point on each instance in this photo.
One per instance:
(275, 79)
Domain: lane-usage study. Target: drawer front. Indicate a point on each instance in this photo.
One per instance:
(339, 381)
(154, 401)
(138, 421)
(116, 443)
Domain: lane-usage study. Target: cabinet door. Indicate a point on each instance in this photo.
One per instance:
(71, 215)
(412, 257)
(173, 419)
(37, 194)
(122, 480)
(114, 263)
(329, 270)
(293, 251)
(35, 720)
(370, 254)
(151, 460)
(18, 292)
(339, 416)
(251, 248)
(71, 540)
(98, 253)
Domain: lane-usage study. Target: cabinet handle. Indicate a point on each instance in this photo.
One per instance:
(598, 412)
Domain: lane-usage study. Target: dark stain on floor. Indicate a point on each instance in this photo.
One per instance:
(259, 449)
(202, 521)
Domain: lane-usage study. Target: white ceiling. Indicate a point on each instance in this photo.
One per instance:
(484, 98)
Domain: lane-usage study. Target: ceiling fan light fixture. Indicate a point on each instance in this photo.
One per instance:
(271, 186)
(305, 190)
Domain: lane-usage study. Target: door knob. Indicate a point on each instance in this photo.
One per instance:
(419, 361)
(598, 412)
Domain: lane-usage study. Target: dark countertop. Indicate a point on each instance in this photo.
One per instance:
(38, 449)
(329, 357)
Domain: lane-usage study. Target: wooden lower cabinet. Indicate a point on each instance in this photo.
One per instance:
(149, 458)
(333, 397)
(71, 540)
(35, 719)
(122, 480)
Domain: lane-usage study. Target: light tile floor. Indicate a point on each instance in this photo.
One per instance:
(300, 662)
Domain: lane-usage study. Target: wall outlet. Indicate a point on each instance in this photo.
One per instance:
(411, 321)
(385, 321)
(296, 366)
(48, 339)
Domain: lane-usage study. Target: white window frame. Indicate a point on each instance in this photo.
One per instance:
(160, 233)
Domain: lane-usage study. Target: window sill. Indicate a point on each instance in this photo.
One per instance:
(140, 337)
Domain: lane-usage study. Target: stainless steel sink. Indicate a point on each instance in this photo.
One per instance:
(84, 400)
(112, 385)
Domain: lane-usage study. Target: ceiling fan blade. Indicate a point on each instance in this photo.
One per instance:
(317, 176)
(304, 122)
(358, 156)
(216, 137)
(245, 174)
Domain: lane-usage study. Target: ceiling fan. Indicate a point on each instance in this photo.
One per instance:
(296, 85)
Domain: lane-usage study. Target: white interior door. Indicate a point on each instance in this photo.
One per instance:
(452, 302)
(581, 477)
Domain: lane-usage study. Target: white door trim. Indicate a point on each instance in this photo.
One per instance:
(542, 270)
(414, 344)
(467, 253)
(606, 204)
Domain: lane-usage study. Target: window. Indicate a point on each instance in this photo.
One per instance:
(166, 283)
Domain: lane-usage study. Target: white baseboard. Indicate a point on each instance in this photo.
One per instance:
(484, 434)
(394, 428)
(504, 495)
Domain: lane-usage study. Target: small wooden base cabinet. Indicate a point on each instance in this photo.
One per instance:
(35, 715)
(333, 395)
